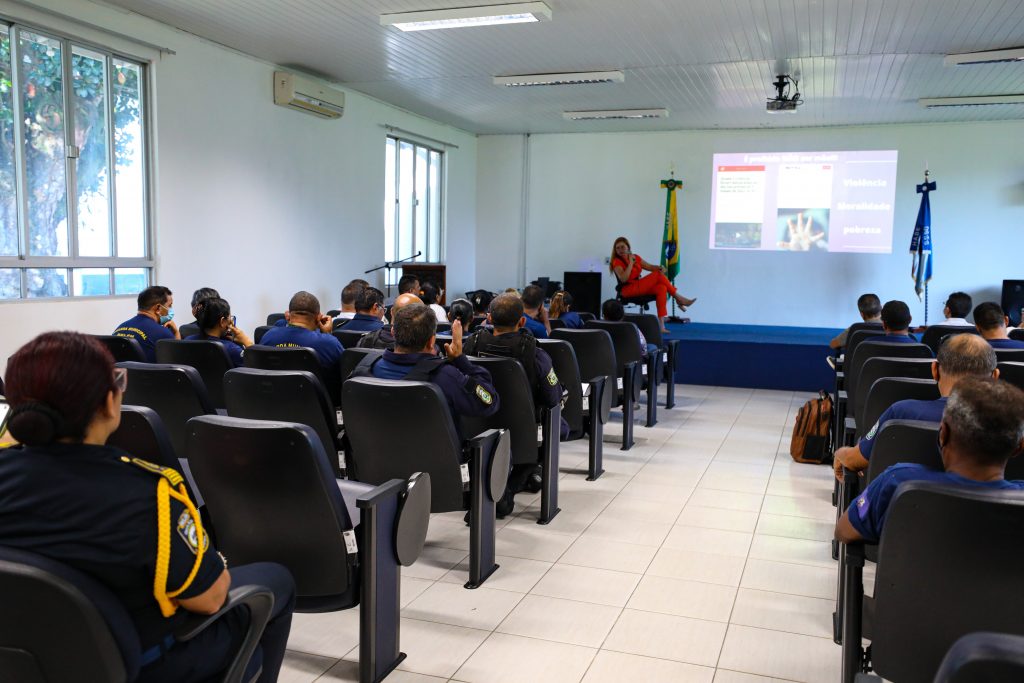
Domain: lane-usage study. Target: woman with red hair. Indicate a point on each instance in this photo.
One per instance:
(628, 266)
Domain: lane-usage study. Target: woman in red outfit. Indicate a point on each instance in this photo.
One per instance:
(627, 267)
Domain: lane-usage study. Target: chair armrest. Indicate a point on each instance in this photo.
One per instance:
(629, 381)
(260, 602)
(842, 395)
(596, 398)
(496, 463)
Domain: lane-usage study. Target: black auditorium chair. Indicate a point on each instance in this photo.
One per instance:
(174, 392)
(286, 396)
(1010, 355)
(1017, 334)
(585, 407)
(669, 349)
(428, 442)
(274, 358)
(188, 329)
(878, 367)
(122, 348)
(1012, 373)
(983, 657)
(350, 358)
(933, 335)
(969, 540)
(348, 338)
(444, 328)
(852, 368)
(273, 497)
(60, 624)
(531, 442)
(630, 363)
(644, 301)
(888, 390)
(585, 316)
(874, 328)
(596, 356)
(209, 358)
(257, 335)
(273, 318)
(556, 324)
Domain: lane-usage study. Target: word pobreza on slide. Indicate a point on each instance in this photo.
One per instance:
(804, 201)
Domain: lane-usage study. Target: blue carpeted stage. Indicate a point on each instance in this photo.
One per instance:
(757, 356)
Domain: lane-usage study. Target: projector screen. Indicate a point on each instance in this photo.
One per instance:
(804, 201)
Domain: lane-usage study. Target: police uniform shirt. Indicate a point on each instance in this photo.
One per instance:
(1006, 343)
(146, 331)
(894, 338)
(234, 350)
(572, 320)
(908, 409)
(536, 327)
(868, 511)
(467, 388)
(327, 347)
(86, 507)
(362, 322)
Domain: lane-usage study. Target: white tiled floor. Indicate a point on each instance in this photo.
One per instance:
(700, 555)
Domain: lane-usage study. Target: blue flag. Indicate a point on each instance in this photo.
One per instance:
(921, 242)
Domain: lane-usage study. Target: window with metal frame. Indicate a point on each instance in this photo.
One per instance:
(74, 217)
(413, 202)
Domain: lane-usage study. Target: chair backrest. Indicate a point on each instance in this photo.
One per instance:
(585, 316)
(856, 336)
(876, 367)
(284, 396)
(983, 657)
(1012, 372)
(904, 441)
(351, 357)
(443, 328)
(887, 390)
(274, 317)
(1017, 334)
(348, 338)
(1010, 355)
(648, 324)
(624, 339)
(61, 625)
(556, 323)
(123, 349)
(934, 334)
(516, 410)
(595, 355)
(949, 563)
(272, 496)
(175, 392)
(423, 440)
(188, 329)
(302, 358)
(867, 350)
(209, 358)
(563, 359)
(257, 335)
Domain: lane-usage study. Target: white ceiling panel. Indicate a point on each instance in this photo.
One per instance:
(710, 62)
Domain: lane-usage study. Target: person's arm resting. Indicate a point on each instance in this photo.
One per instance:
(210, 600)
(845, 532)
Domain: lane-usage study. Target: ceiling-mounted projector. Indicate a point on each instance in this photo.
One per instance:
(784, 102)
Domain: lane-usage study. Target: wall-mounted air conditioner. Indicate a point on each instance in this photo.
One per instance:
(305, 95)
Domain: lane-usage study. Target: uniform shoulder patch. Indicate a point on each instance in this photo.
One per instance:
(871, 434)
(484, 395)
(188, 532)
(168, 473)
(552, 377)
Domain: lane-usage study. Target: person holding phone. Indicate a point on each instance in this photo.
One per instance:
(307, 327)
(213, 315)
(627, 267)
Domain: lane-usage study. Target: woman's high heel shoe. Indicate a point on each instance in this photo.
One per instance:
(687, 302)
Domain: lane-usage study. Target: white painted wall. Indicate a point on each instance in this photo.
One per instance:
(586, 189)
(252, 199)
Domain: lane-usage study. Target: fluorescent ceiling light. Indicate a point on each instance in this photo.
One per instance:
(461, 17)
(932, 102)
(1015, 54)
(615, 114)
(579, 78)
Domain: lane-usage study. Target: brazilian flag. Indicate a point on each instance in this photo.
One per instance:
(670, 237)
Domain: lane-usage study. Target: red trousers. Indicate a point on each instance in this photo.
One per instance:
(654, 283)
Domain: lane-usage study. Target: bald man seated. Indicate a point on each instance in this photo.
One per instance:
(384, 338)
(962, 355)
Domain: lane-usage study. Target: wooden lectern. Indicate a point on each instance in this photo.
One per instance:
(435, 272)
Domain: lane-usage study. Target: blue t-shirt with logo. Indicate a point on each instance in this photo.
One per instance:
(536, 327)
(234, 350)
(1006, 343)
(908, 409)
(869, 510)
(894, 338)
(327, 347)
(146, 331)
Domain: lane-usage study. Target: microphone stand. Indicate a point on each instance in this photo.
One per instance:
(390, 266)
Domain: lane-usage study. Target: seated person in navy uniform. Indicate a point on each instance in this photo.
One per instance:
(510, 340)
(348, 301)
(384, 337)
(613, 311)
(561, 309)
(213, 315)
(962, 355)
(66, 495)
(306, 326)
(895, 323)
(536, 315)
(991, 323)
(870, 308)
(468, 389)
(369, 311)
(153, 322)
(980, 431)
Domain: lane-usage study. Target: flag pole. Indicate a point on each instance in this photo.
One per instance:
(670, 235)
(926, 281)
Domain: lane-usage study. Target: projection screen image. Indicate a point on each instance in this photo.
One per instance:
(804, 201)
